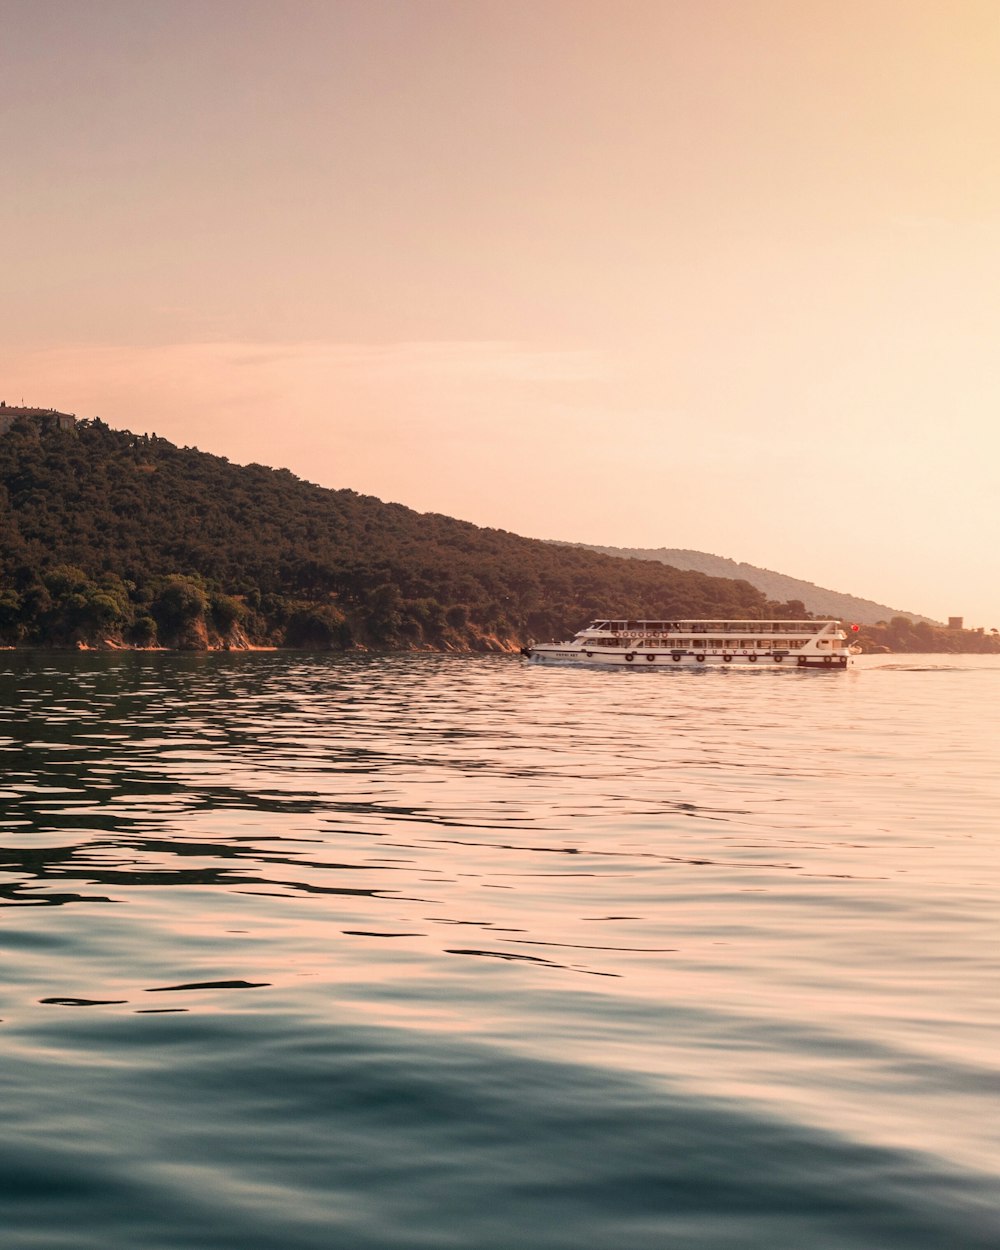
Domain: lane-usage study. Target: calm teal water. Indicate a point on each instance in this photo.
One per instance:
(436, 951)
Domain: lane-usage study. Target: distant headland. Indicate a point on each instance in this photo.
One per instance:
(817, 599)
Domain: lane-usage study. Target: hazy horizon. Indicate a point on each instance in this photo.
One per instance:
(719, 276)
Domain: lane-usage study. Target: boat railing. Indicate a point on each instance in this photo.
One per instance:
(617, 629)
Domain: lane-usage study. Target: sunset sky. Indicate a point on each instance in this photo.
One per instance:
(718, 274)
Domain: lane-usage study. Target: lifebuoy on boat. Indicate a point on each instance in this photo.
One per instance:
(700, 659)
(752, 659)
(651, 658)
(778, 659)
(802, 661)
(589, 655)
(727, 659)
(676, 658)
(630, 657)
(827, 659)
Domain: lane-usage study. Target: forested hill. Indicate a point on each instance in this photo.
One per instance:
(817, 599)
(111, 536)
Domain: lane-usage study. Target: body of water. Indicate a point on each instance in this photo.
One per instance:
(309, 952)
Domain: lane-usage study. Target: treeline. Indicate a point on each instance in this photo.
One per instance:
(111, 536)
(902, 634)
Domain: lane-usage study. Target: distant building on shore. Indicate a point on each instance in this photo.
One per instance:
(47, 418)
(956, 622)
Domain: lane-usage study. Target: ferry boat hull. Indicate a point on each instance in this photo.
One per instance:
(547, 655)
(756, 645)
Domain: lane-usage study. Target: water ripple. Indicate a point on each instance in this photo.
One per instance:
(781, 1034)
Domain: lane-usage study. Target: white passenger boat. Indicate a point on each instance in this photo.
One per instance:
(701, 644)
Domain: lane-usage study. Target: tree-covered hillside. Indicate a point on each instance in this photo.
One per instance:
(109, 535)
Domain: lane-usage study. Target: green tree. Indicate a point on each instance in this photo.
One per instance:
(143, 632)
(179, 603)
(226, 611)
(11, 606)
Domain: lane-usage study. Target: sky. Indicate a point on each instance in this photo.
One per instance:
(714, 274)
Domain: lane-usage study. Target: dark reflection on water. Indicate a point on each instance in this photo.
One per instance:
(473, 954)
(369, 1140)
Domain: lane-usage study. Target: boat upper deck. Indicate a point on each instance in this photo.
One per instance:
(617, 628)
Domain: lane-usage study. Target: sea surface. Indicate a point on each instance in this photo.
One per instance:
(311, 951)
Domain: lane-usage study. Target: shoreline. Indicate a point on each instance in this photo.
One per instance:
(498, 647)
(126, 648)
